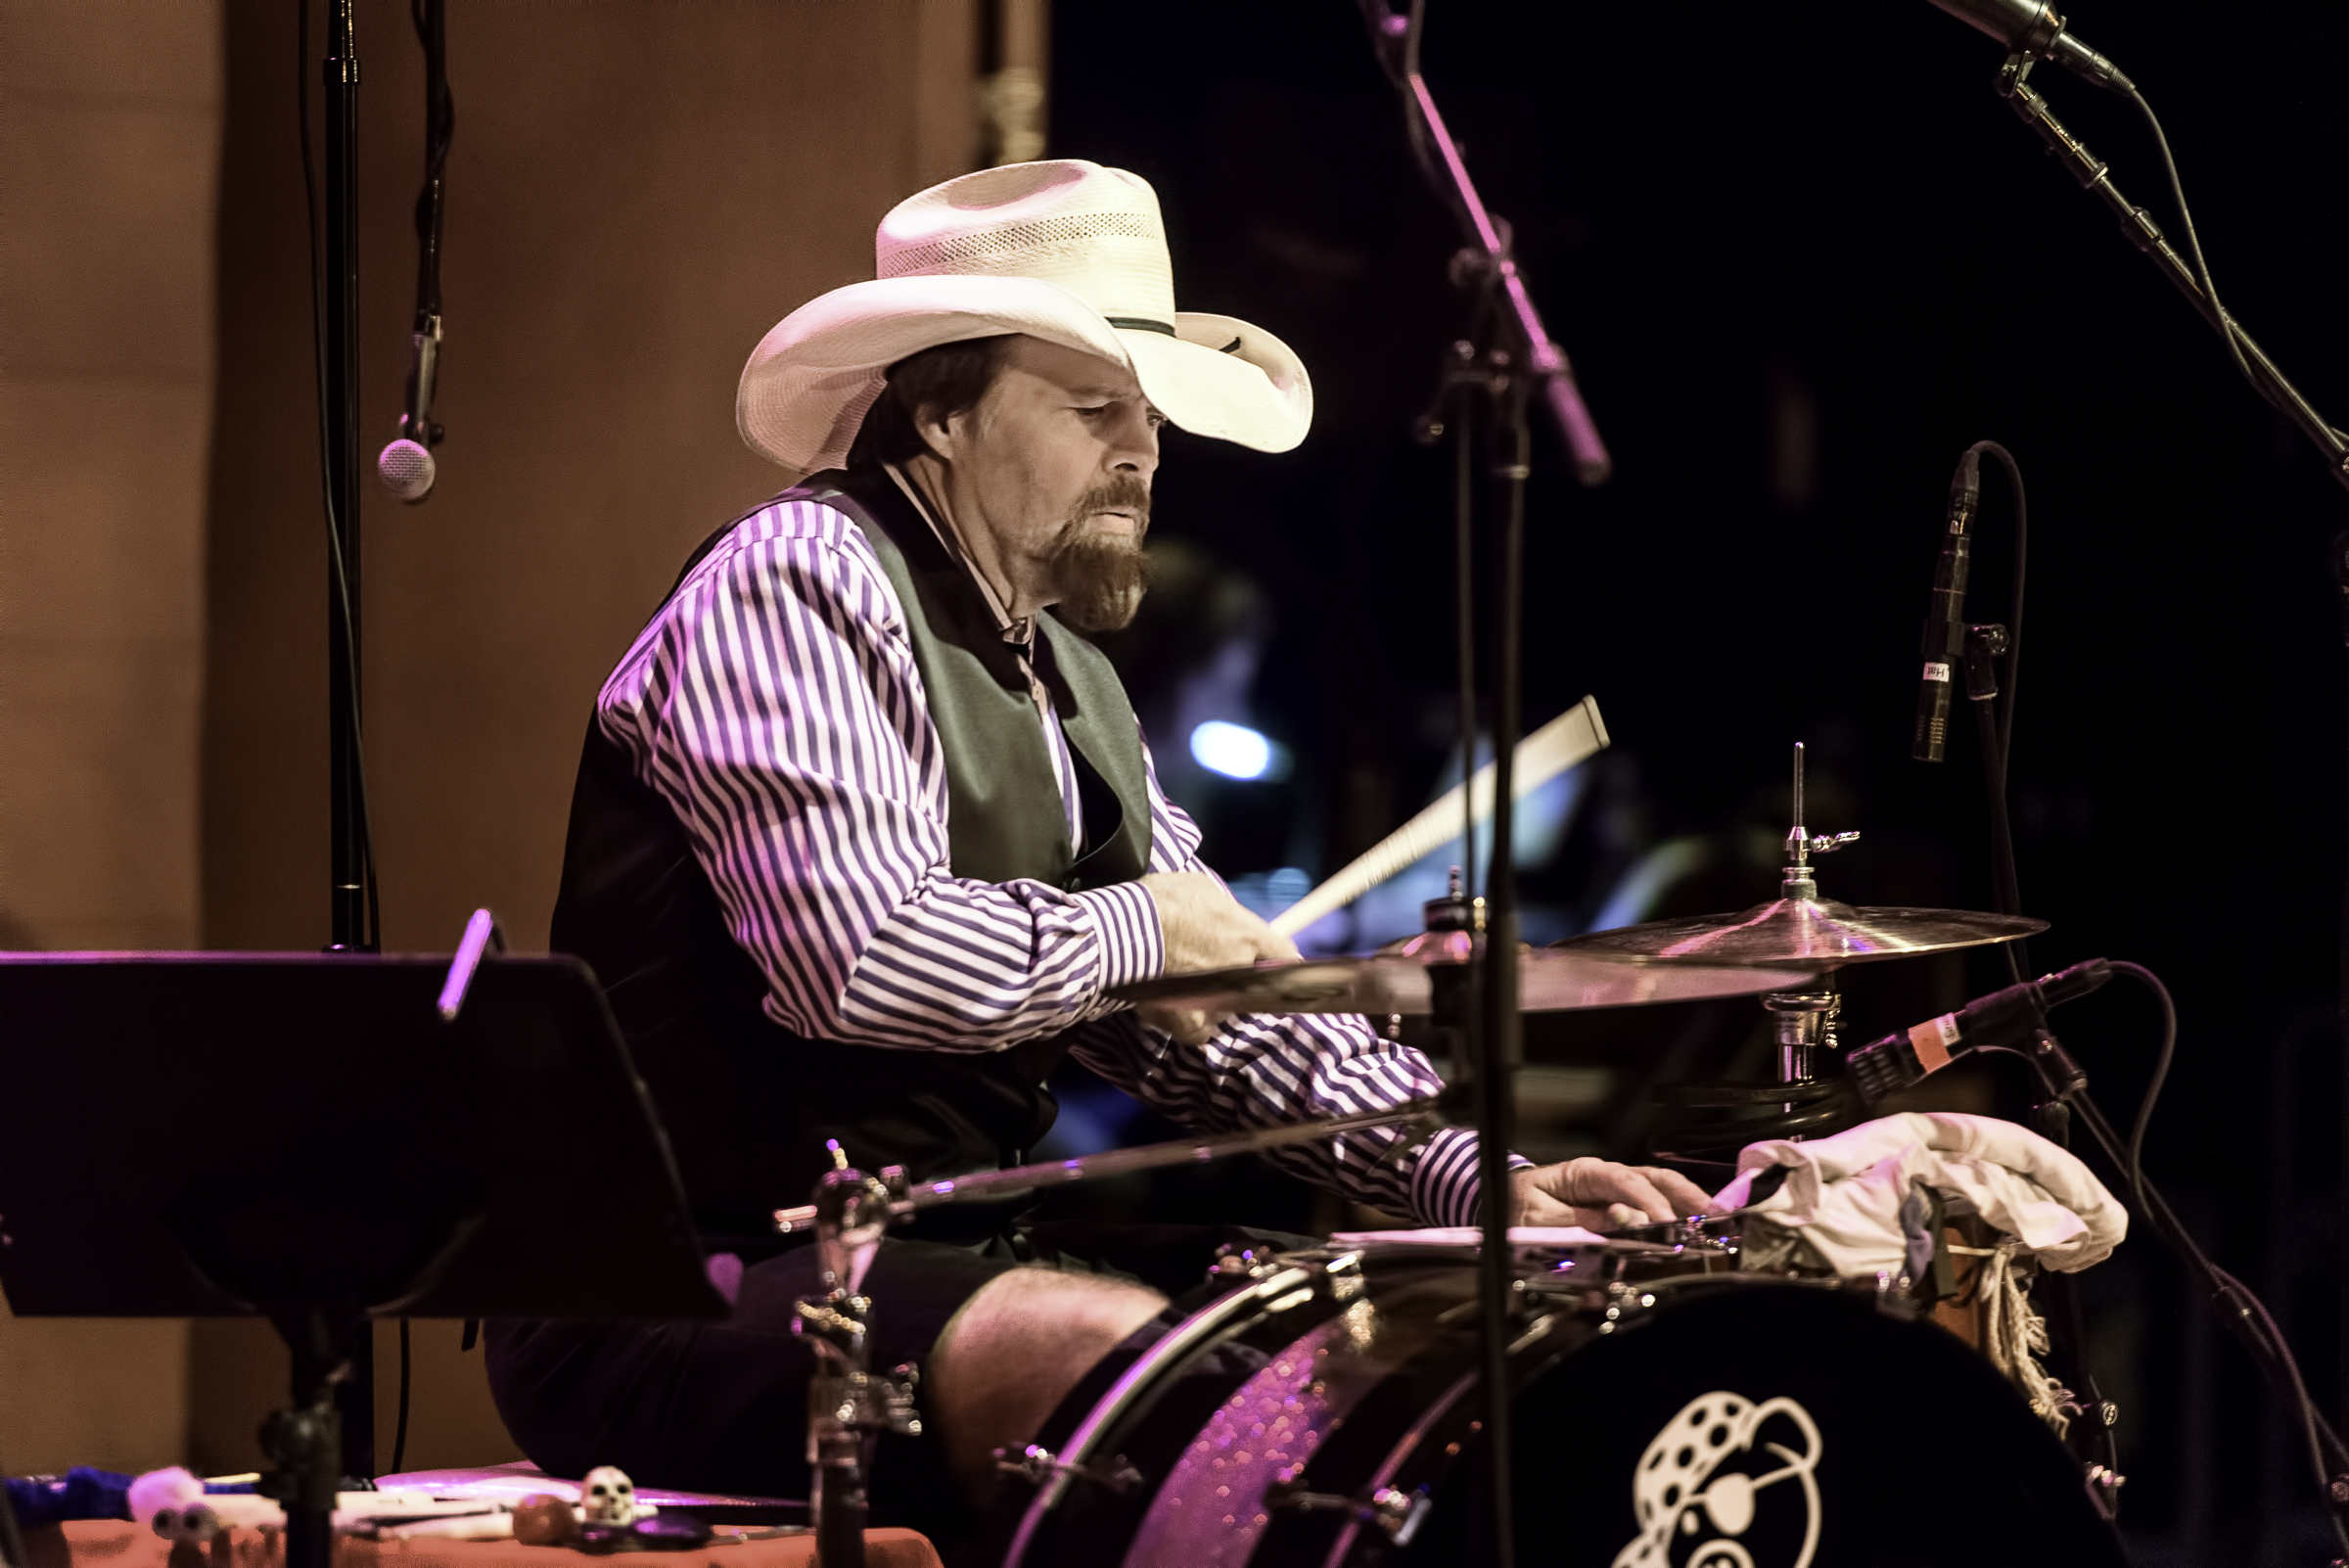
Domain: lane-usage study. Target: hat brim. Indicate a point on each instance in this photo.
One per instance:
(809, 382)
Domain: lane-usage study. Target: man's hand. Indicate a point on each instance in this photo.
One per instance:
(1602, 1196)
(1205, 928)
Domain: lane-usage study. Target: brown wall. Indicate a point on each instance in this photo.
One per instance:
(638, 189)
(110, 122)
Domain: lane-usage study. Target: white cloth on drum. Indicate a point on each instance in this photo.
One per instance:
(1844, 1193)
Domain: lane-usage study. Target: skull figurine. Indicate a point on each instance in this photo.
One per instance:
(607, 1498)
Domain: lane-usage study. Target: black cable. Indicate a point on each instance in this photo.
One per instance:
(2136, 1167)
(2248, 1317)
(399, 1433)
(2193, 245)
(2015, 615)
(2240, 1309)
(1997, 728)
(372, 938)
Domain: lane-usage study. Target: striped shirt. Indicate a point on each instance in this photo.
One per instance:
(774, 704)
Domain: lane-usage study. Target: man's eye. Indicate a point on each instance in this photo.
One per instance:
(1097, 408)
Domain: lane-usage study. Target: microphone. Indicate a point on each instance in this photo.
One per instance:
(1908, 1056)
(406, 466)
(2032, 28)
(1944, 642)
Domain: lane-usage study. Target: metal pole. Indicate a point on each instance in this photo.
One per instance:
(1500, 1038)
(347, 870)
(346, 892)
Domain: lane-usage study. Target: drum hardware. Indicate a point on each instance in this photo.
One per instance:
(1038, 1466)
(1797, 927)
(2104, 1485)
(1266, 1429)
(903, 1196)
(1402, 977)
(1398, 1513)
(1801, 930)
(848, 1404)
(1233, 1260)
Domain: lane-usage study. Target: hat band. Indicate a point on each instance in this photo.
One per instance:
(1140, 324)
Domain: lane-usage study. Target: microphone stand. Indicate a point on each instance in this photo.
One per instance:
(1491, 1035)
(350, 928)
(346, 833)
(2272, 384)
(2138, 227)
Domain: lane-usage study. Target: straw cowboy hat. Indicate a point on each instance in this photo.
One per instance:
(1065, 251)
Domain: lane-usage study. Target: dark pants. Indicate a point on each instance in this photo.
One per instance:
(723, 1407)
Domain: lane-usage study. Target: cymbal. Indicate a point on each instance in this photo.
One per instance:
(1395, 980)
(1818, 932)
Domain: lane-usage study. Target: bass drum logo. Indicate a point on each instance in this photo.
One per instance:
(1716, 1467)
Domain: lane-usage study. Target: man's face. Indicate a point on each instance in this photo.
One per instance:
(1054, 465)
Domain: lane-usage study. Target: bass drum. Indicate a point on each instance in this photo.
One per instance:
(1326, 1411)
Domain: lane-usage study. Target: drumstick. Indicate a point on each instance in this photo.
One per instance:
(1574, 735)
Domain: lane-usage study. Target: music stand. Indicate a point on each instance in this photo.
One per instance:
(307, 1136)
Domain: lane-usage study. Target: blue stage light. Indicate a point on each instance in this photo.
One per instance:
(1237, 752)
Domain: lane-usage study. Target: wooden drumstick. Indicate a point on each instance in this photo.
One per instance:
(1571, 737)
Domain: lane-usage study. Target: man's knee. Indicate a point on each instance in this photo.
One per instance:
(1014, 1351)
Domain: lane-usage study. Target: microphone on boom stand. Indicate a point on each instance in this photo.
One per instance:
(2032, 28)
(1909, 1056)
(1944, 644)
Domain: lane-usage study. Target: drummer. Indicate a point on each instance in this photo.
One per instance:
(866, 828)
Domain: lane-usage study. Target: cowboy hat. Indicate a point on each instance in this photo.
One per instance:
(1065, 251)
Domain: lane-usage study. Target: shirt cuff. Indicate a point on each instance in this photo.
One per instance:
(1444, 1181)
(1133, 945)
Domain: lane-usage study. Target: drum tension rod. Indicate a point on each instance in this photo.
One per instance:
(1394, 1511)
(1038, 1464)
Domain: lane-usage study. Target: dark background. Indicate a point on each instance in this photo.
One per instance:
(1802, 255)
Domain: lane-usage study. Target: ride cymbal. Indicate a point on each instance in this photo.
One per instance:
(1818, 932)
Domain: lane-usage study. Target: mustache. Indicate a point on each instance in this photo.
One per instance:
(1124, 494)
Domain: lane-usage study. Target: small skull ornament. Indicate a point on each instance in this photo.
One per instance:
(607, 1497)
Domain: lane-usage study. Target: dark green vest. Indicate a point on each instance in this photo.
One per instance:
(749, 1105)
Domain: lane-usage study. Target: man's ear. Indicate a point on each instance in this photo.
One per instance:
(937, 435)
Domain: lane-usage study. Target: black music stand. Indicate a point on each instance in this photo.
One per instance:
(307, 1136)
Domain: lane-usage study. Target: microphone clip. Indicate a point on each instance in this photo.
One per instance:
(1985, 646)
(423, 372)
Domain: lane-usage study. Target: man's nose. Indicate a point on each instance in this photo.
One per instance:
(1134, 449)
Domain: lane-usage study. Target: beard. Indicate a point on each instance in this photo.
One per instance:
(1101, 577)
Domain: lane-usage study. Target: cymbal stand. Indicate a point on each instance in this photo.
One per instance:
(848, 1404)
(1803, 1029)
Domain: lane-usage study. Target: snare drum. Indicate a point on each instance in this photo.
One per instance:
(1669, 1415)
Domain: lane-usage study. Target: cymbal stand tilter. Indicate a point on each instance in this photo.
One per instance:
(1714, 1117)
